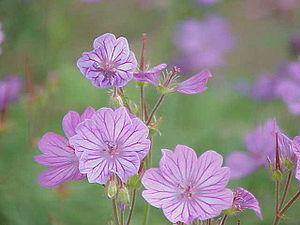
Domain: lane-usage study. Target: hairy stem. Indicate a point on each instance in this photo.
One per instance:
(131, 209)
(223, 221)
(286, 189)
(277, 191)
(115, 211)
(142, 102)
(159, 101)
(285, 208)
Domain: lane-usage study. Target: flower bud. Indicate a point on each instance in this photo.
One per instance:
(277, 175)
(123, 195)
(111, 189)
(288, 164)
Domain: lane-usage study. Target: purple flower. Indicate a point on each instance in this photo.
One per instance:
(203, 43)
(195, 84)
(244, 199)
(110, 63)
(264, 87)
(152, 75)
(186, 187)
(206, 3)
(288, 87)
(58, 154)
(110, 143)
(260, 145)
(10, 89)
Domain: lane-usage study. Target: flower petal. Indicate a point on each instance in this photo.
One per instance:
(241, 164)
(195, 84)
(69, 123)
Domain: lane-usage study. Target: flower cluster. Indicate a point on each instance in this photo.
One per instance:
(100, 143)
(110, 146)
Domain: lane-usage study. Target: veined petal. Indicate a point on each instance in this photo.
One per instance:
(69, 123)
(195, 84)
(244, 199)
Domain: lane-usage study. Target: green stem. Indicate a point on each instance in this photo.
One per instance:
(122, 217)
(224, 219)
(159, 101)
(286, 189)
(131, 206)
(285, 208)
(142, 102)
(115, 211)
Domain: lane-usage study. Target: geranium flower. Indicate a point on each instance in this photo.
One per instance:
(110, 63)
(260, 145)
(58, 154)
(203, 43)
(186, 187)
(111, 142)
(244, 199)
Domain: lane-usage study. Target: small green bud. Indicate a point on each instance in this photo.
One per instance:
(288, 164)
(134, 181)
(277, 175)
(229, 211)
(112, 189)
(123, 195)
(140, 83)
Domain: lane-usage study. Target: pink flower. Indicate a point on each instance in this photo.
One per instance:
(10, 89)
(110, 143)
(58, 154)
(110, 63)
(260, 145)
(151, 76)
(244, 199)
(186, 187)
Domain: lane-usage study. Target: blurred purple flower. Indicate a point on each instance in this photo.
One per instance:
(244, 199)
(58, 154)
(203, 43)
(10, 90)
(264, 87)
(152, 75)
(206, 3)
(1, 37)
(260, 145)
(288, 87)
(110, 63)
(294, 44)
(110, 143)
(186, 187)
(195, 84)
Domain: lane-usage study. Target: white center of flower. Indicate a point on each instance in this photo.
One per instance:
(187, 191)
(107, 68)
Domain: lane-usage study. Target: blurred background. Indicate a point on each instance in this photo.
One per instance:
(247, 44)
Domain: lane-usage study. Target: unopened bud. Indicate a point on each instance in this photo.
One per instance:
(123, 195)
(277, 175)
(112, 189)
(288, 164)
(229, 211)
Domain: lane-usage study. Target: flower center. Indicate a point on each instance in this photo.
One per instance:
(238, 200)
(107, 68)
(111, 148)
(188, 192)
